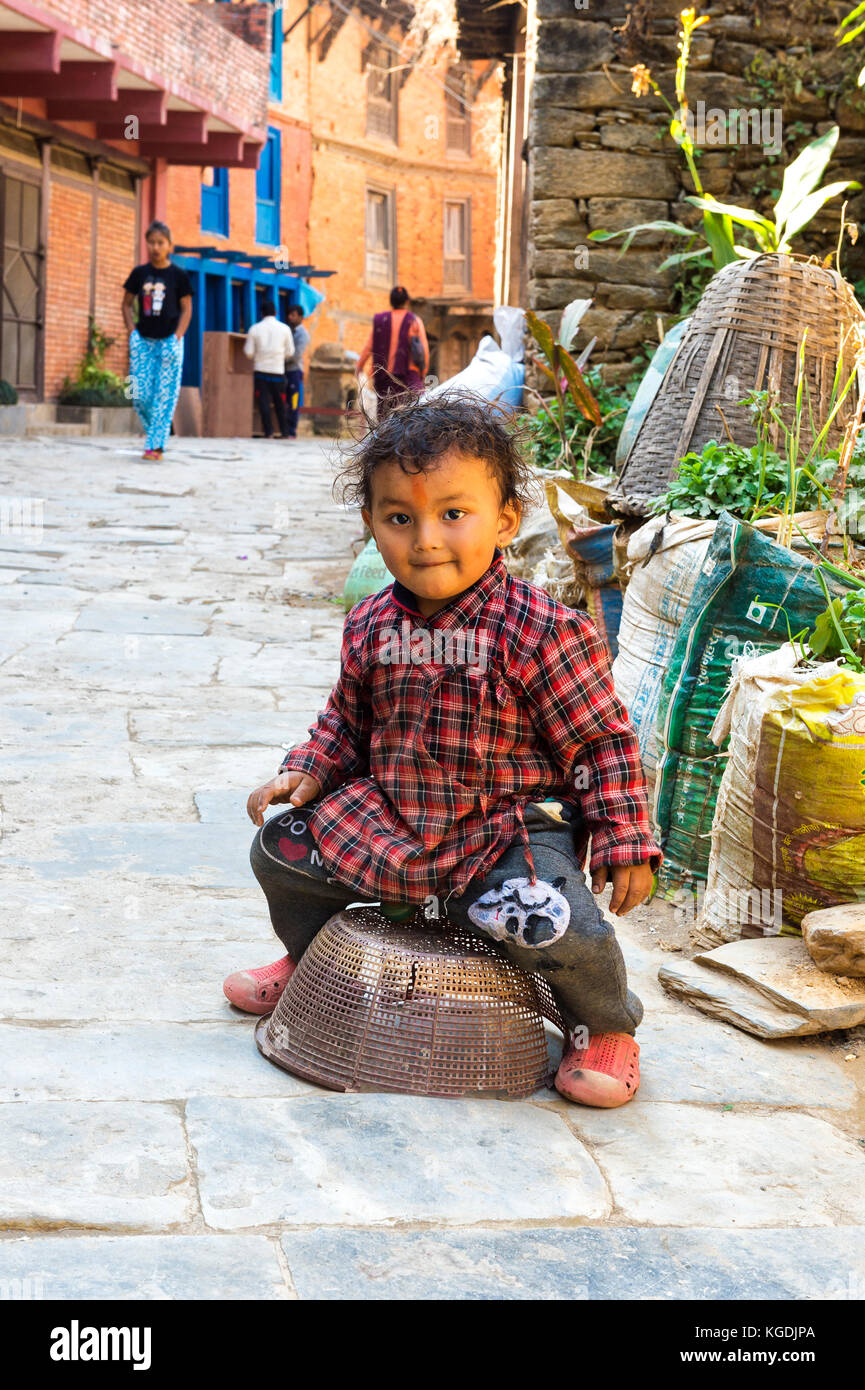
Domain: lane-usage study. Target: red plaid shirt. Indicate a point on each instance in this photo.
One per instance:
(425, 766)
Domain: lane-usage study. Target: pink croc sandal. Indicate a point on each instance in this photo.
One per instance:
(258, 991)
(605, 1074)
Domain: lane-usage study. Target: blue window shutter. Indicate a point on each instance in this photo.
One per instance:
(268, 188)
(214, 204)
(276, 52)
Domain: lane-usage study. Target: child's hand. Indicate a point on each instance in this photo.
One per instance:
(632, 884)
(293, 787)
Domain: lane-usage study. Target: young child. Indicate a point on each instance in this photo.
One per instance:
(164, 294)
(470, 747)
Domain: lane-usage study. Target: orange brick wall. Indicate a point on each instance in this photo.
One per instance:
(418, 167)
(67, 283)
(183, 200)
(116, 255)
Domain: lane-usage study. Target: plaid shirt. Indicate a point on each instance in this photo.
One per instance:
(425, 766)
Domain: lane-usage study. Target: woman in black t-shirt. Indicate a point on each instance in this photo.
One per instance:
(163, 293)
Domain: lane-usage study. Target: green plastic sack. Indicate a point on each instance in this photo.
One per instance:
(368, 575)
(729, 616)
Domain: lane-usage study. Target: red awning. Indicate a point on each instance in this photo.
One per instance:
(84, 76)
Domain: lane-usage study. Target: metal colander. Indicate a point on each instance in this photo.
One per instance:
(428, 1010)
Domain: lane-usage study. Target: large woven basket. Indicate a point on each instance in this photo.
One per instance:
(745, 335)
(438, 1012)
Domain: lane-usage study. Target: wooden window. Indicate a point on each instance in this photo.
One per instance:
(457, 244)
(458, 113)
(381, 96)
(380, 237)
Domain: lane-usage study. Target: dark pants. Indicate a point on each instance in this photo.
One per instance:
(555, 926)
(293, 389)
(269, 388)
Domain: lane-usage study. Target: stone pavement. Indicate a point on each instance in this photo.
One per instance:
(167, 631)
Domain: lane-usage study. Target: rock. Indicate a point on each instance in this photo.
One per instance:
(557, 125)
(601, 173)
(835, 938)
(715, 993)
(569, 45)
(780, 968)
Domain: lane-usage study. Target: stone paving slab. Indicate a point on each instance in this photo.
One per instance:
(150, 1268)
(23, 723)
(198, 727)
(209, 856)
(140, 1061)
(368, 1159)
(139, 912)
(689, 1165)
(153, 979)
(103, 1164)
(94, 659)
(550, 1262)
(686, 1058)
(115, 615)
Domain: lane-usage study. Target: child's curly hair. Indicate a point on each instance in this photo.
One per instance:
(418, 433)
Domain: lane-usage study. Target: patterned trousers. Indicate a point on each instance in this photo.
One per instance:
(155, 366)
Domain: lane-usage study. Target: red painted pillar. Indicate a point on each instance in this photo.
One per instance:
(154, 199)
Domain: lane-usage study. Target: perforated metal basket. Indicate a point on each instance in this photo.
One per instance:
(427, 1010)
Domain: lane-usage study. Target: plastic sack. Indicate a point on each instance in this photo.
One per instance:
(788, 835)
(491, 374)
(368, 575)
(648, 388)
(510, 324)
(664, 559)
(591, 547)
(729, 616)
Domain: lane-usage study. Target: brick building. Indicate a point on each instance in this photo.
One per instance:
(98, 99)
(284, 136)
(404, 179)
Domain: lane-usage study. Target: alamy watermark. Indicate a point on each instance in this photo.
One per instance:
(23, 517)
(422, 646)
(752, 125)
(746, 906)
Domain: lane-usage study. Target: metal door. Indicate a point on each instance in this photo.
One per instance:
(21, 302)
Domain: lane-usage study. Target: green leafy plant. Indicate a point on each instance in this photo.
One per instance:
(595, 444)
(565, 376)
(854, 23)
(747, 482)
(93, 384)
(840, 630)
(8, 394)
(798, 202)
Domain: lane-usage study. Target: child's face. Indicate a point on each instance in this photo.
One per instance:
(437, 531)
(158, 248)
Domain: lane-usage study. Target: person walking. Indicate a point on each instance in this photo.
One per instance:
(163, 293)
(294, 368)
(398, 349)
(269, 343)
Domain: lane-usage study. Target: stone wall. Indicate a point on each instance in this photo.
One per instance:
(601, 157)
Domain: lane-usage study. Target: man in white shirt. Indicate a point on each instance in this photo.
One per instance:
(269, 343)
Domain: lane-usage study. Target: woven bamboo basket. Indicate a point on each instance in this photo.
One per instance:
(437, 1012)
(745, 335)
